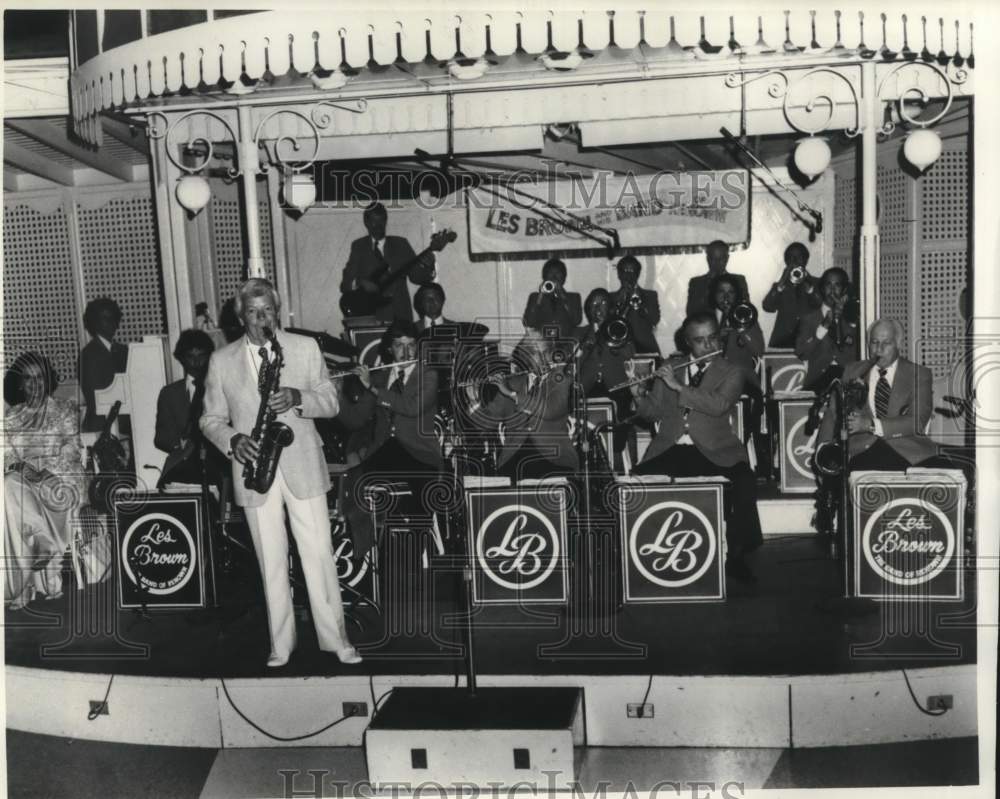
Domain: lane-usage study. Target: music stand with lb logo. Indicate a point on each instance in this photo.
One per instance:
(671, 539)
(796, 448)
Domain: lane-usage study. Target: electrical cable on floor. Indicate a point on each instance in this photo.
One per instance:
(642, 705)
(272, 736)
(916, 701)
(97, 710)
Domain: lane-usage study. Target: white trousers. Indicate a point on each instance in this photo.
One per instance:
(310, 525)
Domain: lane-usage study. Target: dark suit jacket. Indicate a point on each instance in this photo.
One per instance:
(911, 404)
(790, 305)
(97, 369)
(539, 418)
(698, 299)
(708, 421)
(599, 361)
(364, 263)
(817, 353)
(643, 321)
(408, 416)
(564, 315)
(172, 410)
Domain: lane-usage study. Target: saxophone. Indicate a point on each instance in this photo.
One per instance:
(270, 435)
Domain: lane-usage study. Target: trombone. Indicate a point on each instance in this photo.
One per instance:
(637, 380)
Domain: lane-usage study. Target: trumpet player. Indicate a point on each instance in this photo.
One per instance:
(234, 394)
(552, 309)
(691, 398)
(827, 338)
(792, 296)
(639, 307)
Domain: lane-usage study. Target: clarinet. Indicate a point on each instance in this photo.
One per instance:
(270, 435)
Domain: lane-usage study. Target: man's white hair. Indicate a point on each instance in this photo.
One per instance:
(897, 329)
(255, 287)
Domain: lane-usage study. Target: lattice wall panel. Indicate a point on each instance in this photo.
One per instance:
(942, 278)
(894, 189)
(228, 250)
(895, 288)
(845, 224)
(39, 303)
(120, 259)
(945, 199)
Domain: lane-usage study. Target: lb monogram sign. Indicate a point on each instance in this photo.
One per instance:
(796, 447)
(520, 545)
(671, 537)
(159, 546)
(910, 546)
(784, 371)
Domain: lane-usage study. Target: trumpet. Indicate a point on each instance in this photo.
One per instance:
(637, 380)
(796, 275)
(548, 287)
(396, 365)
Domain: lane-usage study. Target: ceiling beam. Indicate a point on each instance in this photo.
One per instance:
(10, 180)
(52, 136)
(28, 161)
(134, 137)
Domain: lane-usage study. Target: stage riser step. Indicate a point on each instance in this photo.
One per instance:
(786, 516)
(778, 711)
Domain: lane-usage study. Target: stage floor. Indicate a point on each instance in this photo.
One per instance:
(783, 624)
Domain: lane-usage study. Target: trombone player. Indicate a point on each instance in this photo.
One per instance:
(640, 308)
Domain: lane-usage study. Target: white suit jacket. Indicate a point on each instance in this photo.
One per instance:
(232, 401)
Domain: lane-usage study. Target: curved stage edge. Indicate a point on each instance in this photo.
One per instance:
(716, 711)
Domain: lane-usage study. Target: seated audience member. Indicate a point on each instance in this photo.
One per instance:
(792, 296)
(698, 298)
(178, 409)
(692, 401)
(397, 410)
(555, 312)
(533, 405)
(602, 365)
(828, 336)
(886, 432)
(645, 316)
(44, 480)
(102, 357)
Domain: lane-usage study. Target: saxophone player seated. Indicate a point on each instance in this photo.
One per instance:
(265, 377)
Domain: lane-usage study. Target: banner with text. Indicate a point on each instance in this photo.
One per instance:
(656, 213)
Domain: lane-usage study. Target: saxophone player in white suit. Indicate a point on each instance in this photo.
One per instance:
(232, 402)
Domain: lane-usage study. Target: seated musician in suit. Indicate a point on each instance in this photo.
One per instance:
(698, 298)
(886, 432)
(691, 400)
(643, 312)
(552, 309)
(397, 407)
(792, 296)
(828, 335)
(102, 358)
(533, 405)
(178, 408)
(374, 254)
(602, 365)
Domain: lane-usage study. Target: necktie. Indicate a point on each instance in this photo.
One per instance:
(882, 392)
(262, 374)
(397, 384)
(695, 380)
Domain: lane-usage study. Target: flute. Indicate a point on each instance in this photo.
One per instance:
(397, 365)
(636, 381)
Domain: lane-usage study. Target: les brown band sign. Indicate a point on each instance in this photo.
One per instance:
(656, 213)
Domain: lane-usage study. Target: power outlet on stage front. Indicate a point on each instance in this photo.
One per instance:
(942, 702)
(637, 710)
(355, 709)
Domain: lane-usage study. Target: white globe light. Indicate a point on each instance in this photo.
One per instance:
(193, 192)
(812, 156)
(922, 148)
(300, 190)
